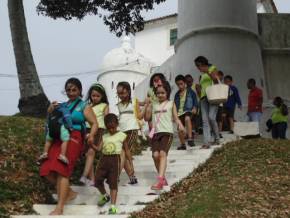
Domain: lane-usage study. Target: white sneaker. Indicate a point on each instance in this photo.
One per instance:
(83, 180)
(90, 182)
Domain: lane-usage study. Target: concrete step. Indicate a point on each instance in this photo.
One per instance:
(170, 167)
(151, 176)
(43, 209)
(128, 190)
(175, 151)
(172, 162)
(206, 153)
(82, 199)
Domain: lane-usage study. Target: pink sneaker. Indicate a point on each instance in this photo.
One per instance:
(165, 183)
(159, 184)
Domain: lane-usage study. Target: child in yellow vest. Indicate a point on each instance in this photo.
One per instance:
(98, 100)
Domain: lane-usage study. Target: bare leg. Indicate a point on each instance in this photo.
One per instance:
(88, 170)
(113, 193)
(100, 186)
(162, 163)
(181, 136)
(129, 168)
(52, 178)
(156, 158)
(63, 189)
(123, 159)
(188, 125)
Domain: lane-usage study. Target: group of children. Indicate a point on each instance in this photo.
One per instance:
(117, 135)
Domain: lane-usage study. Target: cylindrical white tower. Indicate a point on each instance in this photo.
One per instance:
(123, 64)
(224, 31)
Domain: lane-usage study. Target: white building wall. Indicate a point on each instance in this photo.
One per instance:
(110, 81)
(154, 41)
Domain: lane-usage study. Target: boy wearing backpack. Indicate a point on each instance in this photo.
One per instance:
(59, 125)
(279, 119)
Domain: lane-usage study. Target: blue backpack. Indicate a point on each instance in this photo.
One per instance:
(56, 119)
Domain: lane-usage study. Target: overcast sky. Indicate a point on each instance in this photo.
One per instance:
(61, 47)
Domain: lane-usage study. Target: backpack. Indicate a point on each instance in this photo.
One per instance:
(55, 120)
(284, 110)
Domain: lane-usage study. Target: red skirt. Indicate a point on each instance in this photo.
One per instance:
(74, 149)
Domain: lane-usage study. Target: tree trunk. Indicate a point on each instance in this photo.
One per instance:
(33, 101)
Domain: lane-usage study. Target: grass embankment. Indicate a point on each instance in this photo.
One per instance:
(21, 142)
(20, 185)
(248, 178)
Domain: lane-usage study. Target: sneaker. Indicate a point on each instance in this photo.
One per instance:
(165, 183)
(113, 210)
(41, 158)
(191, 143)
(181, 147)
(83, 180)
(221, 136)
(133, 180)
(103, 200)
(159, 185)
(90, 182)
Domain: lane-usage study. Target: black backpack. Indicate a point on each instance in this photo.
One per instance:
(54, 122)
(284, 110)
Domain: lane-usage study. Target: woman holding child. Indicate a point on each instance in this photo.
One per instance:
(52, 169)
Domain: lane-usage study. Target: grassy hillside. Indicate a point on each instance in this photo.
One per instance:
(248, 178)
(20, 185)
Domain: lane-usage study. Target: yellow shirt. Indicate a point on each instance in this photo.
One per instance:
(152, 95)
(182, 103)
(113, 144)
(99, 110)
(206, 80)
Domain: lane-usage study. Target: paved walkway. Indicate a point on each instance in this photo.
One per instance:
(133, 198)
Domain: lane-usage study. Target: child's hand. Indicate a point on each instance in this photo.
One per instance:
(90, 139)
(147, 101)
(52, 106)
(180, 128)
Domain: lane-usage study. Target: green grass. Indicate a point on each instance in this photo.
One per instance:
(248, 178)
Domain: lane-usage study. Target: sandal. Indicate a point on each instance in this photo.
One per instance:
(63, 159)
(41, 158)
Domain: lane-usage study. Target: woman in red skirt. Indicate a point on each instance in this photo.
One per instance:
(54, 170)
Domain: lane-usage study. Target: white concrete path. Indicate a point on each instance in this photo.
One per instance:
(133, 198)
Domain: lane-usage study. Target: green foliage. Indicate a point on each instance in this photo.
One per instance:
(120, 16)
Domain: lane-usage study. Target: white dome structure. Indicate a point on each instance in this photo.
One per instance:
(123, 64)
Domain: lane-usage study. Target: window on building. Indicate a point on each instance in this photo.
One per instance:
(112, 85)
(133, 86)
(173, 36)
